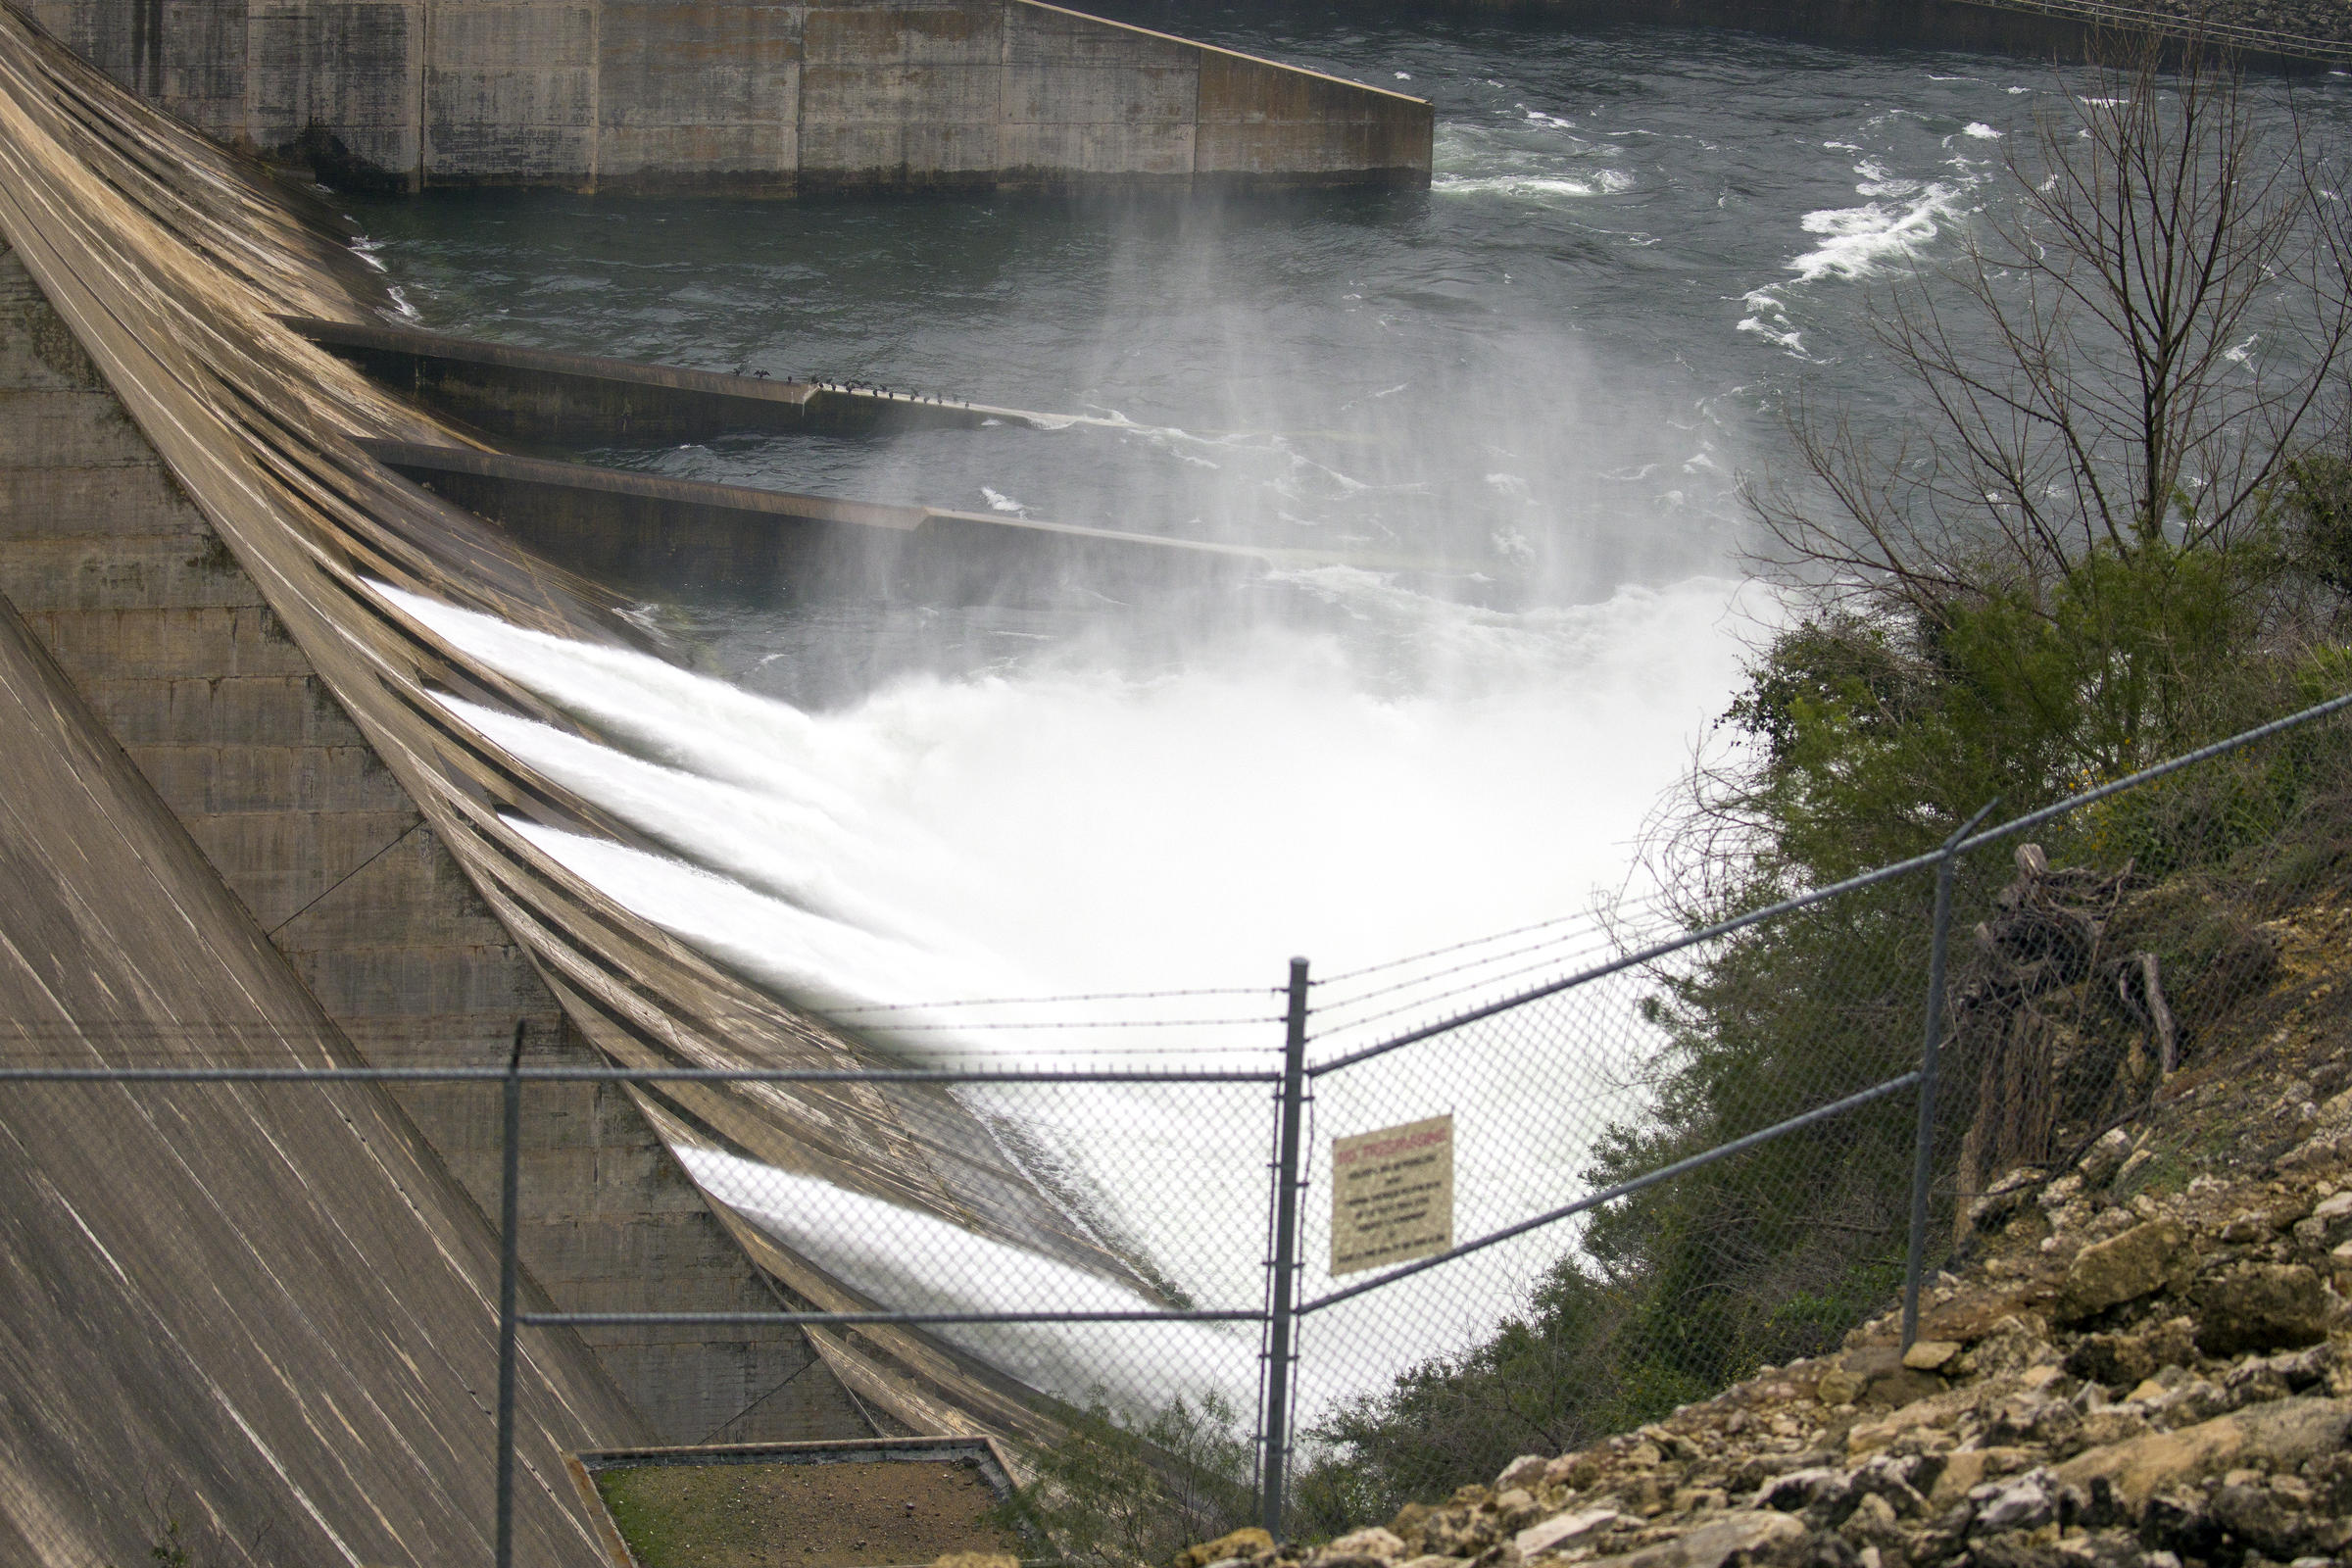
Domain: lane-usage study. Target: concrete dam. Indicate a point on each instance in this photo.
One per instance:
(760, 98)
(239, 826)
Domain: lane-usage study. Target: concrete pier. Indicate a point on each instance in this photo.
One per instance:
(757, 97)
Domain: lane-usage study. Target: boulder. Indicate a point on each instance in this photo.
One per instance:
(2003, 1199)
(1525, 1472)
(2256, 1516)
(1562, 1531)
(1876, 1375)
(2334, 1213)
(1838, 1386)
(2262, 1306)
(1710, 1545)
(1926, 1355)
(2121, 1360)
(1373, 1545)
(2104, 1157)
(1798, 1490)
(1247, 1543)
(2286, 1431)
(2025, 1503)
(2122, 1268)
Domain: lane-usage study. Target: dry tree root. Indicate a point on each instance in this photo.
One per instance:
(2023, 988)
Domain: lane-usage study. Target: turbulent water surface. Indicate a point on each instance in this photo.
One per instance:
(1547, 370)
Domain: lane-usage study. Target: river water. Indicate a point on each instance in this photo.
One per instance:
(1549, 371)
(1552, 366)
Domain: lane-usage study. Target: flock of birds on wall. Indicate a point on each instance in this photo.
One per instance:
(859, 387)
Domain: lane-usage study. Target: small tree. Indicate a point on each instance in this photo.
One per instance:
(2051, 576)
(1110, 1495)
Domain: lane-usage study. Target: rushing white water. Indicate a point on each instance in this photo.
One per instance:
(1077, 830)
(1062, 829)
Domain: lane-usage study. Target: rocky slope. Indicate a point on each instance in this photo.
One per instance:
(2148, 1365)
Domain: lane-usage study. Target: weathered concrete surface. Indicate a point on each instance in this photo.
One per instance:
(546, 397)
(774, 98)
(263, 1313)
(171, 641)
(172, 264)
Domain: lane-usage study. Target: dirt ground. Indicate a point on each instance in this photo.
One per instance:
(800, 1515)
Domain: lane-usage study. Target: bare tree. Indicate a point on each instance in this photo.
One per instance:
(2126, 353)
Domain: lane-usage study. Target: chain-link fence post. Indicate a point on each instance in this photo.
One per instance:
(1273, 1421)
(509, 1180)
(1923, 1158)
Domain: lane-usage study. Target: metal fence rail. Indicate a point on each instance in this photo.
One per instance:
(1575, 1094)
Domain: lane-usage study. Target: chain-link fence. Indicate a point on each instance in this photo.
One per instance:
(1676, 1155)
(1321, 1249)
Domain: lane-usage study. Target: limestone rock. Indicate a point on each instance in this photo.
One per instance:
(2003, 1199)
(2026, 1503)
(2256, 1516)
(1247, 1542)
(2288, 1432)
(1709, 1545)
(1798, 1490)
(1876, 1375)
(2262, 1306)
(1372, 1542)
(1526, 1472)
(2105, 1158)
(1838, 1386)
(1562, 1531)
(2334, 1213)
(976, 1560)
(2122, 1268)
(1926, 1355)
(2125, 1359)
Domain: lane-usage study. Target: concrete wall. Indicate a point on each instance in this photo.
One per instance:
(171, 643)
(739, 94)
(240, 1326)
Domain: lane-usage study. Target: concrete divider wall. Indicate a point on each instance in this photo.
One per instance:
(770, 98)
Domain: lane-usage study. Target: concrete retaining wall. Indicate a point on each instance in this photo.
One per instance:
(663, 95)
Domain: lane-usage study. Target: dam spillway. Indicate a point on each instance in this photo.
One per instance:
(202, 557)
